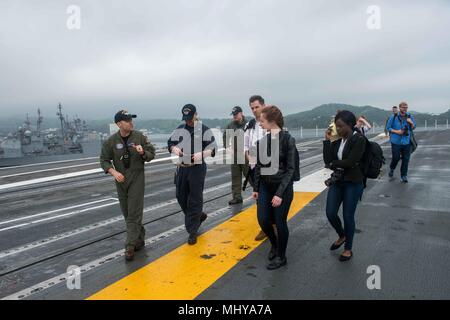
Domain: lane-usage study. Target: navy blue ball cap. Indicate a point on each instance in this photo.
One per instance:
(236, 110)
(188, 112)
(123, 115)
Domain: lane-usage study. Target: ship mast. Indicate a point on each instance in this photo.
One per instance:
(61, 119)
(28, 123)
(39, 122)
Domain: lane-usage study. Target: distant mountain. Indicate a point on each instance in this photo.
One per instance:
(322, 115)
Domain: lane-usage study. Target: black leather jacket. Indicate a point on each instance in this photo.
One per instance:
(278, 182)
(351, 156)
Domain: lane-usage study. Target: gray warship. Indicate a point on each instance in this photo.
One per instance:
(31, 141)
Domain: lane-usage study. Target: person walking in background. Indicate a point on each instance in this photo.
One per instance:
(394, 112)
(253, 133)
(363, 125)
(343, 156)
(274, 192)
(332, 132)
(400, 127)
(239, 168)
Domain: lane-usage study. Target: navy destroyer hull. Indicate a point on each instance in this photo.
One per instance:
(90, 149)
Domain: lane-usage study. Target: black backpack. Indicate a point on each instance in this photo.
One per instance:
(372, 160)
(296, 176)
(250, 125)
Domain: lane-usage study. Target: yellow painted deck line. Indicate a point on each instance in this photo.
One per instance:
(187, 271)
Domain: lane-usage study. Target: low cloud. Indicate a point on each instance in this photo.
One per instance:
(155, 56)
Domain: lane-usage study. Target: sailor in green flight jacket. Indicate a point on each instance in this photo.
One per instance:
(123, 156)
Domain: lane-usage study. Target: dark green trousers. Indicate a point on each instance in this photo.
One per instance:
(238, 171)
(131, 198)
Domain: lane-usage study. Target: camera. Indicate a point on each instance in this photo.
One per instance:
(405, 131)
(126, 160)
(336, 176)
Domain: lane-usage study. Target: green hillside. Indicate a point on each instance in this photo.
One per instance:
(321, 116)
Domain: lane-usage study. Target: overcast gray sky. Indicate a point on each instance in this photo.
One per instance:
(155, 56)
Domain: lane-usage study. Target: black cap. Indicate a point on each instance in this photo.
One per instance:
(236, 110)
(188, 112)
(123, 115)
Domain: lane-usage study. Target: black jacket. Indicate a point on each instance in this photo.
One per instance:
(351, 156)
(277, 183)
(200, 132)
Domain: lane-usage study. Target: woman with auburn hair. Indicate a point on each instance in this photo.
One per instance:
(274, 190)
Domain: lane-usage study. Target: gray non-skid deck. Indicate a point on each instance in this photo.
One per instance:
(404, 229)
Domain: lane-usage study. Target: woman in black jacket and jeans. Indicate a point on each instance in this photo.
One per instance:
(343, 156)
(274, 190)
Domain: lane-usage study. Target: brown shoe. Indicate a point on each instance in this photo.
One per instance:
(261, 236)
(139, 245)
(129, 254)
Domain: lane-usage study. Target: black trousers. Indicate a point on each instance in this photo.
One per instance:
(190, 182)
(267, 215)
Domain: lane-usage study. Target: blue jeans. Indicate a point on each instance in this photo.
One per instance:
(347, 193)
(268, 214)
(405, 152)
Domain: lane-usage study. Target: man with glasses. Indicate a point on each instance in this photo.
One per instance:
(400, 127)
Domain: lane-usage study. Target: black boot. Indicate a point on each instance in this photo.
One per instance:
(234, 201)
(272, 253)
(139, 245)
(277, 263)
(192, 239)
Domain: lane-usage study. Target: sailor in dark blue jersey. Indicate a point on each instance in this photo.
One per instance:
(192, 142)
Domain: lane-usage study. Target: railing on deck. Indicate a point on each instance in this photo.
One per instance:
(302, 133)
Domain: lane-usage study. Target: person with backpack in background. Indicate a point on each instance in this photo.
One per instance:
(344, 157)
(394, 112)
(273, 189)
(363, 125)
(400, 127)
